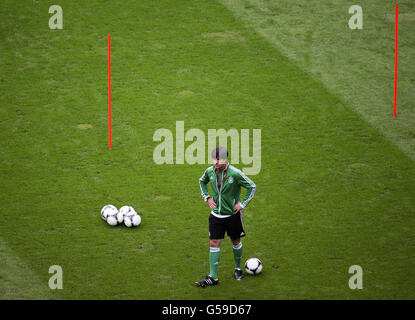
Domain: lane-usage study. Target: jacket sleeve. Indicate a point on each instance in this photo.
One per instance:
(250, 187)
(203, 181)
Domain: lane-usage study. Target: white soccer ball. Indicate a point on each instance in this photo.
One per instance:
(132, 219)
(253, 266)
(114, 218)
(120, 218)
(106, 210)
(124, 210)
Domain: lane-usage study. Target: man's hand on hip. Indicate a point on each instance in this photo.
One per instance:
(237, 207)
(211, 203)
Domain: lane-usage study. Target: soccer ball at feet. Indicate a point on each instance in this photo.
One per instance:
(253, 266)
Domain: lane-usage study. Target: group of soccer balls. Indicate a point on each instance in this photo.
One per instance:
(115, 217)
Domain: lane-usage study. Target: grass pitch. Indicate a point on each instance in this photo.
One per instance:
(335, 188)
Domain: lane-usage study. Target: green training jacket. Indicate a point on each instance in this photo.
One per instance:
(227, 194)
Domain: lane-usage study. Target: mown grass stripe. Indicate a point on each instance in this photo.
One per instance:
(17, 279)
(355, 65)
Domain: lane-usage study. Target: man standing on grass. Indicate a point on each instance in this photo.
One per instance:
(226, 215)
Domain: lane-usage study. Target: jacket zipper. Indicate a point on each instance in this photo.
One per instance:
(220, 193)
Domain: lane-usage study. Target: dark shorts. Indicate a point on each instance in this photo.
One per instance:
(232, 225)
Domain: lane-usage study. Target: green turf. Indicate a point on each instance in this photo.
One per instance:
(332, 191)
(355, 65)
(17, 280)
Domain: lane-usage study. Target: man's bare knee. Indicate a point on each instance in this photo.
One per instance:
(215, 243)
